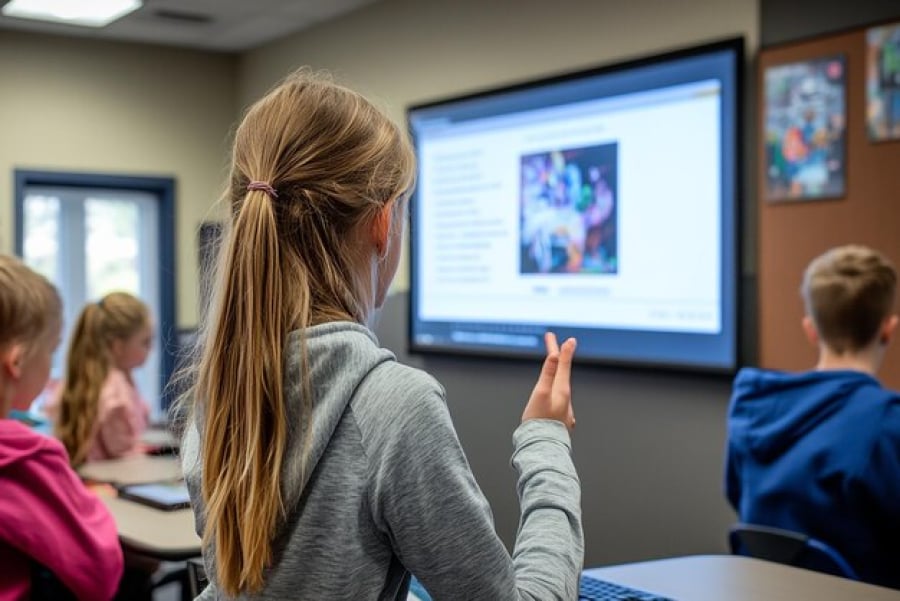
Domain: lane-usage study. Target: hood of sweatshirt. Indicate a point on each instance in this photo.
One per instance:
(339, 356)
(17, 442)
(770, 410)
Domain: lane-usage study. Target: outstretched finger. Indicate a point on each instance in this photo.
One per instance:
(548, 370)
(564, 366)
(550, 343)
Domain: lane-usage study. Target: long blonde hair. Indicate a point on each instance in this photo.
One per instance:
(117, 316)
(333, 161)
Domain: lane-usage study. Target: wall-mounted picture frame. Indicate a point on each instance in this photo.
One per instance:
(883, 82)
(805, 129)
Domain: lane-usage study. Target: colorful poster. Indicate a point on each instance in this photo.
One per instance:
(883, 82)
(805, 133)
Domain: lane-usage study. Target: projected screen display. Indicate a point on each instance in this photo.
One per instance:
(600, 205)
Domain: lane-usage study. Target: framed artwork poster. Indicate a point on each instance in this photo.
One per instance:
(883, 82)
(805, 129)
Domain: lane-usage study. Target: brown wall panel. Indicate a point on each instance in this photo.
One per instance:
(792, 233)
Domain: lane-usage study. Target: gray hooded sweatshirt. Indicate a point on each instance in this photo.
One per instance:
(389, 491)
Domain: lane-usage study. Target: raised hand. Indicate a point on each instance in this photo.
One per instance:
(552, 395)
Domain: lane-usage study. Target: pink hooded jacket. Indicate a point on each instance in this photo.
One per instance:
(48, 516)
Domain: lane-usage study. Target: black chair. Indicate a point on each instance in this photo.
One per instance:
(179, 577)
(45, 586)
(196, 576)
(788, 547)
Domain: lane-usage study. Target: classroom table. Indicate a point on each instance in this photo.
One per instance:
(165, 535)
(159, 438)
(735, 578)
(139, 469)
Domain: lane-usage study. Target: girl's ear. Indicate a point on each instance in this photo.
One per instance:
(381, 227)
(11, 361)
(115, 348)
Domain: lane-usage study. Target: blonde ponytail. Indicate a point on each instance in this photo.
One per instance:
(86, 369)
(244, 443)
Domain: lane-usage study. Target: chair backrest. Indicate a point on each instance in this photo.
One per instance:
(196, 576)
(788, 547)
(45, 586)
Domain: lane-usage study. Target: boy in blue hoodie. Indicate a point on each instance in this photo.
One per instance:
(818, 452)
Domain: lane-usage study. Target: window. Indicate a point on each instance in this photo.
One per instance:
(91, 235)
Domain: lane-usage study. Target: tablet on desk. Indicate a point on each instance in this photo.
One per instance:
(167, 496)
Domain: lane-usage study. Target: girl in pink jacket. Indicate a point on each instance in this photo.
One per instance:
(98, 412)
(47, 517)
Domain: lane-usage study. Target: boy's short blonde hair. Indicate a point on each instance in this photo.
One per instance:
(848, 292)
(29, 304)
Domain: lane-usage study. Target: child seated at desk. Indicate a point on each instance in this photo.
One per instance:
(818, 452)
(47, 517)
(99, 413)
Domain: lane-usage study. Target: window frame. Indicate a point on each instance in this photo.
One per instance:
(163, 188)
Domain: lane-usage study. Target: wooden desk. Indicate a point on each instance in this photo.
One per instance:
(140, 469)
(167, 535)
(732, 578)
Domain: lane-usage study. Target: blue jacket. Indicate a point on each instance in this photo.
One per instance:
(819, 453)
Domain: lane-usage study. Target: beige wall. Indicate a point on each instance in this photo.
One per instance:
(402, 52)
(129, 109)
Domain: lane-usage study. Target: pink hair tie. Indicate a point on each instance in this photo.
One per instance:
(264, 187)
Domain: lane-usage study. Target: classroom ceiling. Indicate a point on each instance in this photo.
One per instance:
(217, 25)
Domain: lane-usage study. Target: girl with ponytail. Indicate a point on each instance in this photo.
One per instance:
(319, 467)
(98, 411)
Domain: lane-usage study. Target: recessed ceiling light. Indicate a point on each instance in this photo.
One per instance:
(90, 13)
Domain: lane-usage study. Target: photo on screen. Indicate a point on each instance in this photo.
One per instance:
(883, 82)
(805, 129)
(568, 211)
